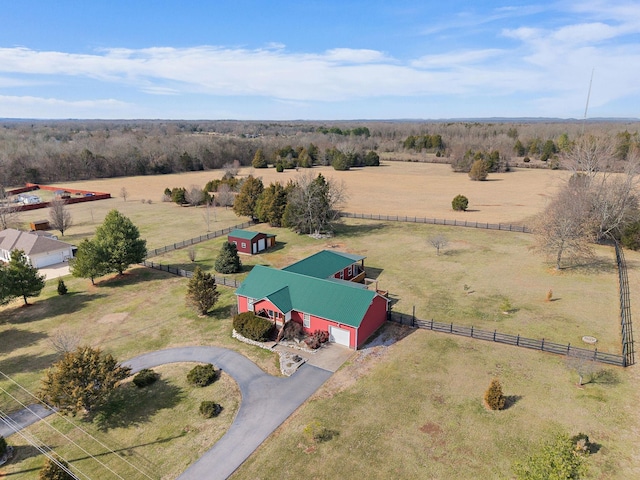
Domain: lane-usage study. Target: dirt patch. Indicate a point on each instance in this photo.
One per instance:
(114, 318)
(431, 428)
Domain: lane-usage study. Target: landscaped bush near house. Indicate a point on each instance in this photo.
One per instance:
(253, 327)
(316, 339)
(209, 409)
(202, 375)
(291, 330)
(145, 377)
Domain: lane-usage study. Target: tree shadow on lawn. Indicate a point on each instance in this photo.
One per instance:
(129, 405)
(14, 338)
(590, 266)
(131, 277)
(49, 307)
(511, 400)
(27, 363)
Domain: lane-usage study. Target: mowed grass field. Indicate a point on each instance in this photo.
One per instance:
(411, 410)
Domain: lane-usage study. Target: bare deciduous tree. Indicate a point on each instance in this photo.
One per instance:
(225, 196)
(566, 226)
(191, 251)
(9, 212)
(59, 216)
(209, 211)
(438, 242)
(194, 195)
(231, 169)
(124, 193)
(65, 340)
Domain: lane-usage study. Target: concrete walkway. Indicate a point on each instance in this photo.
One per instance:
(267, 401)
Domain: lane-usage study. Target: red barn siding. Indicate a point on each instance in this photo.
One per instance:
(373, 319)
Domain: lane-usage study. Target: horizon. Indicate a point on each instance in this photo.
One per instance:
(320, 61)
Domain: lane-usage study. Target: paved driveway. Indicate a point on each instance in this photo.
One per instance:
(267, 401)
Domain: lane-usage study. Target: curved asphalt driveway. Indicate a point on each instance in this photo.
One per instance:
(267, 401)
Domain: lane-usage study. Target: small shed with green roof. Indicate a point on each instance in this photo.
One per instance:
(250, 242)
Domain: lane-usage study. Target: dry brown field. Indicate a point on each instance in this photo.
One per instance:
(394, 188)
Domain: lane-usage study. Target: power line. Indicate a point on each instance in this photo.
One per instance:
(35, 414)
(66, 419)
(33, 440)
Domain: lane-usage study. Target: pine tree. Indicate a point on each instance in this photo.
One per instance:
(119, 239)
(23, 279)
(55, 470)
(202, 292)
(228, 260)
(259, 159)
(245, 202)
(89, 261)
(479, 170)
(271, 204)
(81, 380)
(62, 288)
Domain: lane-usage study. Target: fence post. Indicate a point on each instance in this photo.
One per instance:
(471, 331)
(518, 340)
(494, 335)
(568, 348)
(451, 328)
(542, 346)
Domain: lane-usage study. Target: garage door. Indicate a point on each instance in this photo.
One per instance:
(261, 244)
(339, 336)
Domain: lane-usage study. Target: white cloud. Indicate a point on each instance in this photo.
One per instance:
(39, 107)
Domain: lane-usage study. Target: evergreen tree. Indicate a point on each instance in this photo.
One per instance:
(202, 291)
(119, 239)
(271, 204)
(62, 288)
(82, 380)
(228, 260)
(5, 292)
(89, 261)
(245, 202)
(55, 470)
(259, 159)
(313, 205)
(493, 397)
(23, 279)
(460, 203)
(479, 170)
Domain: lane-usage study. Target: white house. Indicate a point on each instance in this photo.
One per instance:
(41, 251)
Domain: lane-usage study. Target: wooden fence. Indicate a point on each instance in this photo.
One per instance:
(625, 308)
(439, 221)
(515, 340)
(193, 241)
(227, 282)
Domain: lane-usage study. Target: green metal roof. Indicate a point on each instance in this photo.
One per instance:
(245, 234)
(337, 301)
(324, 263)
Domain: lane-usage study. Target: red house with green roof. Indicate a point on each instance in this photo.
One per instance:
(312, 293)
(251, 242)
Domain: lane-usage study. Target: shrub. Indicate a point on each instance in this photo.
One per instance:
(291, 330)
(62, 288)
(145, 377)
(279, 168)
(316, 339)
(202, 375)
(209, 409)
(317, 432)
(253, 327)
(479, 170)
(228, 260)
(526, 159)
(460, 203)
(493, 396)
(549, 295)
(3, 446)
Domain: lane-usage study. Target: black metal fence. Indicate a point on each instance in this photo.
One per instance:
(193, 241)
(227, 282)
(439, 221)
(515, 340)
(625, 308)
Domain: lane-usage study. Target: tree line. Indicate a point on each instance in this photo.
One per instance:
(51, 151)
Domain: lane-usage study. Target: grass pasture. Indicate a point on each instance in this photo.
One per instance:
(410, 410)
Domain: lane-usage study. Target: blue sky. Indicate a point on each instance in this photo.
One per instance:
(318, 60)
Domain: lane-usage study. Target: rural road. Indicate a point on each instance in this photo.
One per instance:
(267, 401)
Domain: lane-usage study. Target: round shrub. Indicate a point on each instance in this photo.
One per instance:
(279, 168)
(202, 375)
(253, 327)
(291, 330)
(526, 159)
(145, 377)
(460, 203)
(209, 409)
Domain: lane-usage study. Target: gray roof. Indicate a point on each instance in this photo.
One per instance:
(31, 244)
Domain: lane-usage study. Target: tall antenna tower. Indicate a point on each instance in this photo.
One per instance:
(586, 107)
